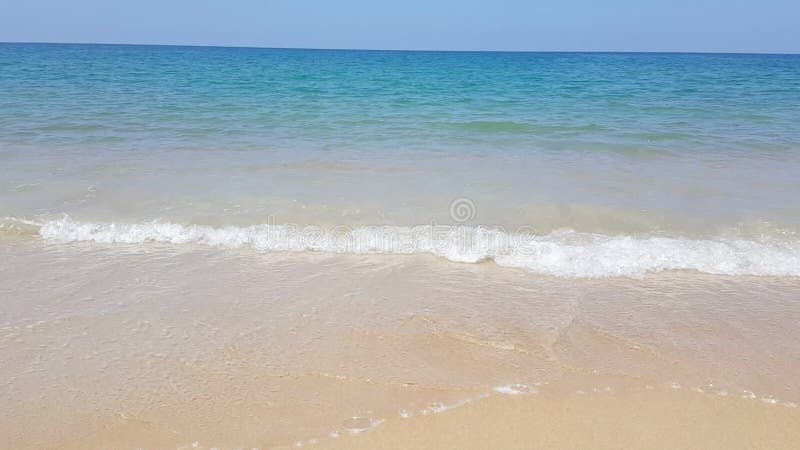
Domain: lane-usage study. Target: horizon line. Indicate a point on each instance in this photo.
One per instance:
(404, 50)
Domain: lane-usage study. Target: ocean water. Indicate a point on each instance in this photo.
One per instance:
(196, 242)
(567, 164)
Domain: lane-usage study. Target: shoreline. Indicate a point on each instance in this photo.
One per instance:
(234, 249)
(641, 418)
(654, 419)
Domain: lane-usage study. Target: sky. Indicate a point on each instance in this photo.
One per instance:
(766, 26)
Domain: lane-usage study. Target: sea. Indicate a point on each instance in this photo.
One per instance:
(565, 164)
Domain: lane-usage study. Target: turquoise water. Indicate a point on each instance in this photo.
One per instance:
(631, 157)
(122, 97)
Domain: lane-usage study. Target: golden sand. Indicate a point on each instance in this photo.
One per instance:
(153, 348)
(666, 419)
(652, 420)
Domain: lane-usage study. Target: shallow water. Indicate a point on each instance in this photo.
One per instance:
(261, 350)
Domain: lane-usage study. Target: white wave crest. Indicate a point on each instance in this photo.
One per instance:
(565, 254)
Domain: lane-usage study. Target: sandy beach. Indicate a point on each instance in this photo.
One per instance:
(268, 248)
(652, 420)
(661, 419)
(224, 350)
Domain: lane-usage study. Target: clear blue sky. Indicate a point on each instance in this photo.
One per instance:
(594, 25)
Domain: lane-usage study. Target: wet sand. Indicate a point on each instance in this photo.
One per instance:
(158, 347)
(603, 420)
(653, 420)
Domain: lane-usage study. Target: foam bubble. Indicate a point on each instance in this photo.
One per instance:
(438, 407)
(770, 399)
(356, 424)
(515, 389)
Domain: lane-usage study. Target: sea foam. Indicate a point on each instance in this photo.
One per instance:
(564, 254)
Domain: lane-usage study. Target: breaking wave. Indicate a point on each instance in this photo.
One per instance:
(564, 254)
